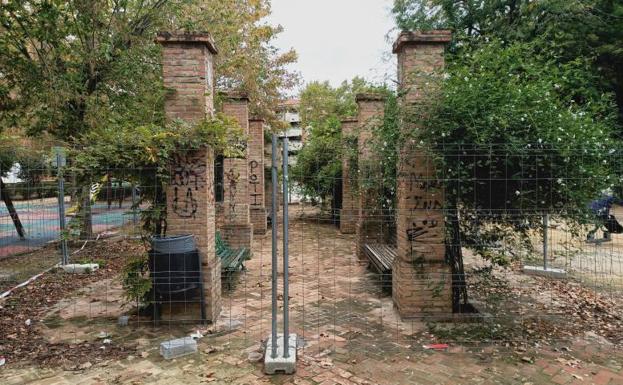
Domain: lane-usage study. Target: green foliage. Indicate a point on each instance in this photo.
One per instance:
(513, 137)
(135, 278)
(34, 166)
(142, 155)
(319, 164)
(74, 66)
(525, 121)
(563, 31)
(384, 145)
(7, 153)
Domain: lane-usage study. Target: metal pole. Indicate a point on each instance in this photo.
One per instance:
(134, 208)
(61, 208)
(286, 332)
(273, 214)
(545, 239)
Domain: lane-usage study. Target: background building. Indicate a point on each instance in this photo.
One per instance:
(288, 112)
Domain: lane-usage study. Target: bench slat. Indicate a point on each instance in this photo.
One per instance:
(381, 256)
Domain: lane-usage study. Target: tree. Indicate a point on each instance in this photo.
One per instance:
(561, 30)
(68, 67)
(246, 58)
(73, 68)
(525, 121)
(142, 155)
(318, 169)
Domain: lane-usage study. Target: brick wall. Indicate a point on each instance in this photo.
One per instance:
(256, 175)
(421, 278)
(350, 199)
(371, 222)
(188, 77)
(237, 229)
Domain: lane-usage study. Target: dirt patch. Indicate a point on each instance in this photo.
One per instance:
(519, 310)
(22, 313)
(18, 268)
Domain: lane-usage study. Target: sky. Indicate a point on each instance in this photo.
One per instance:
(337, 40)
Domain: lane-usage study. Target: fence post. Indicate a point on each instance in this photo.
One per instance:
(273, 209)
(60, 162)
(286, 187)
(545, 240)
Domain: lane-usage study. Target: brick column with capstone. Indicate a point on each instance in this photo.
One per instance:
(421, 278)
(188, 76)
(371, 221)
(256, 175)
(350, 200)
(237, 229)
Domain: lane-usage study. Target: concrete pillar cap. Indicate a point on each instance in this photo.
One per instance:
(188, 37)
(370, 97)
(439, 36)
(234, 95)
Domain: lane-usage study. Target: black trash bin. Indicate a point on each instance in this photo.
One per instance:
(176, 277)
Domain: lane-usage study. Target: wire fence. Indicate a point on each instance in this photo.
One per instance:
(340, 301)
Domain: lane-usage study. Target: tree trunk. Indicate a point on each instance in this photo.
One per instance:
(109, 190)
(455, 258)
(86, 230)
(12, 212)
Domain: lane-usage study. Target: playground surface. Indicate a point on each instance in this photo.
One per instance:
(539, 332)
(40, 220)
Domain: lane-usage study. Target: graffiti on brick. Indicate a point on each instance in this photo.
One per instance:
(420, 228)
(254, 181)
(186, 207)
(189, 170)
(232, 176)
(188, 174)
(426, 203)
(422, 182)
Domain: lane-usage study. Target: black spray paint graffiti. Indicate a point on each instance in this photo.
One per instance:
(420, 228)
(254, 182)
(421, 182)
(188, 175)
(424, 203)
(232, 177)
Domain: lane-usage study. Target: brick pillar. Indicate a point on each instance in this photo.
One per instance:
(237, 230)
(188, 76)
(371, 221)
(350, 200)
(421, 278)
(256, 175)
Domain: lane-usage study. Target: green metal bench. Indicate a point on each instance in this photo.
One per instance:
(232, 260)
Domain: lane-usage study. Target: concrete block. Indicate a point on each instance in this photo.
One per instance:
(80, 268)
(178, 348)
(279, 363)
(551, 272)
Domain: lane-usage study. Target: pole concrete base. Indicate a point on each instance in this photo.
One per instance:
(280, 364)
(551, 272)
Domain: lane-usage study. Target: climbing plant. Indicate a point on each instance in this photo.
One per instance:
(142, 155)
(318, 169)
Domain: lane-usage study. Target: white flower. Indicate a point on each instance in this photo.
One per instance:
(517, 193)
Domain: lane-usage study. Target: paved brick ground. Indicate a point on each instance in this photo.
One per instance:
(350, 334)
